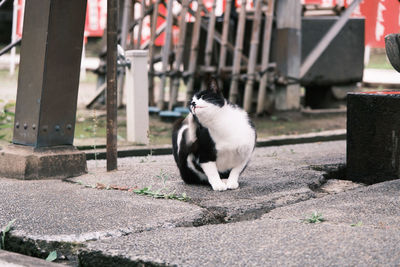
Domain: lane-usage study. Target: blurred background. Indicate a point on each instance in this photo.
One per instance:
(257, 50)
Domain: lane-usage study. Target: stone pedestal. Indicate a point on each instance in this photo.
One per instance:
(27, 163)
(373, 132)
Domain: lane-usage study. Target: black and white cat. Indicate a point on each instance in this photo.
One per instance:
(214, 141)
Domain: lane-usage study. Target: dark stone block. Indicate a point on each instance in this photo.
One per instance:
(27, 163)
(373, 132)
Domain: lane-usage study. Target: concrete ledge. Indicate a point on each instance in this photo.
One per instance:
(24, 162)
(13, 260)
(140, 151)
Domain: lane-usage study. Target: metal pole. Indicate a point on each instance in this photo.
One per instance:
(13, 37)
(112, 38)
(126, 15)
(142, 15)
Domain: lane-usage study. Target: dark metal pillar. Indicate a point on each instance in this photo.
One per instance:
(112, 105)
(49, 72)
(48, 88)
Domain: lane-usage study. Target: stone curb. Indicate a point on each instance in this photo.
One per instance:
(140, 151)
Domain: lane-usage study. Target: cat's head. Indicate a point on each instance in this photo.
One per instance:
(207, 102)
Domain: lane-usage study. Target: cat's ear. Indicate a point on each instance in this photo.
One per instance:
(213, 86)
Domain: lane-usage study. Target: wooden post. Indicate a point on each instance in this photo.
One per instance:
(288, 12)
(210, 41)
(265, 58)
(193, 50)
(248, 92)
(165, 55)
(234, 91)
(179, 53)
(151, 51)
(112, 38)
(224, 41)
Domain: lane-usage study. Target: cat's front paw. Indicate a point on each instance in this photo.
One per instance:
(232, 184)
(221, 186)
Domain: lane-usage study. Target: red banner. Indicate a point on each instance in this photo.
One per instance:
(381, 17)
(96, 18)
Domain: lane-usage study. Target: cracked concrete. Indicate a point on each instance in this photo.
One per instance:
(258, 224)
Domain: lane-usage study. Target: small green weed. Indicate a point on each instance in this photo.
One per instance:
(146, 191)
(164, 192)
(52, 256)
(315, 218)
(358, 224)
(4, 232)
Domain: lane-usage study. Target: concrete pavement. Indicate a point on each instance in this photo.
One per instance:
(93, 220)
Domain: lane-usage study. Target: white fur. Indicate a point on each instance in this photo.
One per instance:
(210, 169)
(201, 175)
(180, 134)
(233, 136)
(191, 138)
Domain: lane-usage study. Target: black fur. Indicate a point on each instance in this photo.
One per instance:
(207, 153)
(187, 174)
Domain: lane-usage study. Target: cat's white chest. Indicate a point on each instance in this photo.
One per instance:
(234, 146)
(229, 159)
(233, 136)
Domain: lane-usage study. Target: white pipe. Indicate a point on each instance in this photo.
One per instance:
(13, 37)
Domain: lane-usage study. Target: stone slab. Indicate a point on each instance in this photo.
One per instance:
(279, 238)
(78, 220)
(57, 215)
(275, 176)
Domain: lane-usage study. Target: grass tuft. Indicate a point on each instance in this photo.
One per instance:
(315, 217)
